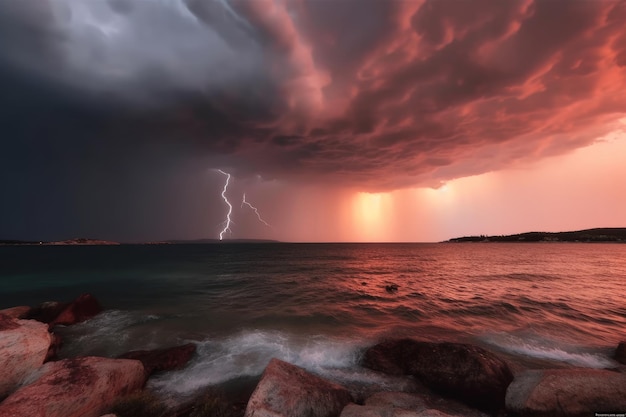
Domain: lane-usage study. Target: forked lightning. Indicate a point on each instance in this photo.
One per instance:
(256, 211)
(230, 206)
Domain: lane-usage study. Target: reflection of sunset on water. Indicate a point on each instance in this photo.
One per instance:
(468, 292)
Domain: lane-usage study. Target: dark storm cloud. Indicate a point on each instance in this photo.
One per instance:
(368, 94)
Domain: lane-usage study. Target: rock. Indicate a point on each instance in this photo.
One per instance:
(20, 312)
(84, 307)
(465, 372)
(286, 390)
(162, 359)
(391, 288)
(55, 346)
(8, 323)
(620, 353)
(23, 348)
(566, 392)
(53, 312)
(79, 387)
(400, 404)
(47, 312)
(142, 404)
(372, 382)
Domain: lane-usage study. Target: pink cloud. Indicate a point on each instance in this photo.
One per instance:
(494, 78)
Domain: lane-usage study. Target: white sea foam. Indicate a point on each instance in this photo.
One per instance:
(541, 348)
(110, 333)
(247, 353)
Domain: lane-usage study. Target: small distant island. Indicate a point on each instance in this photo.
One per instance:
(68, 242)
(615, 234)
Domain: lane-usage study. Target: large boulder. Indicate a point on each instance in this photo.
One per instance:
(83, 308)
(566, 392)
(162, 359)
(24, 346)
(79, 387)
(286, 390)
(465, 372)
(620, 353)
(401, 404)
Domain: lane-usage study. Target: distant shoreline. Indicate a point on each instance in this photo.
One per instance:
(100, 242)
(599, 235)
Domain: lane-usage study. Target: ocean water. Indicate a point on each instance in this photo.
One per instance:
(320, 305)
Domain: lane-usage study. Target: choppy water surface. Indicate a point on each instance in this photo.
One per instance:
(319, 305)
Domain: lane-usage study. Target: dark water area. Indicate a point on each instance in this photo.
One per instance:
(320, 305)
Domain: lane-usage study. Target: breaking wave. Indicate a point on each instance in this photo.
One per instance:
(542, 348)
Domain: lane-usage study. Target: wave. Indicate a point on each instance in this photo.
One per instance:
(541, 348)
(112, 333)
(247, 353)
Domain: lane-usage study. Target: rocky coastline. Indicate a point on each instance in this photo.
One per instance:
(447, 380)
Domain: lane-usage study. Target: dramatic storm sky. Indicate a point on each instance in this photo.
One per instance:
(345, 120)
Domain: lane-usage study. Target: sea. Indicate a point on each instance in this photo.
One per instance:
(319, 306)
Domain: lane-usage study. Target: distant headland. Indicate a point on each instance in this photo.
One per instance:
(94, 242)
(68, 242)
(614, 234)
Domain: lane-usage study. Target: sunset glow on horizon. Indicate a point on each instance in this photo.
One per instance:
(352, 121)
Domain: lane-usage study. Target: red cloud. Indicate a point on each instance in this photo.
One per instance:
(455, 88)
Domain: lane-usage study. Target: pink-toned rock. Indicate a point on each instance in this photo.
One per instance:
(566, 392)
(84, 307)
(20, 312)
(23, 348)
(55, 346)
(402, 404)
(79, 387)
(286, 390)
(163, 359)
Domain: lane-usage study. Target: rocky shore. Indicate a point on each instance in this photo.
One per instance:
(447, 380)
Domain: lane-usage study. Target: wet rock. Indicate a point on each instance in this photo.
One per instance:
(23, 348)
(83, 308)
(286, 390)
(20, 312)
(360, 389)
(142, 404)
(566, 392)
(47, 312)
(461, 371)
(400, 404)
(80, 387)
(8, 323)
(163, 359)
(391, 288)
(55, 346)
(620, 353)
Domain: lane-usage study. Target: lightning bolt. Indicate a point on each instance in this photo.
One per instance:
(228, 221)
(255, 210)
